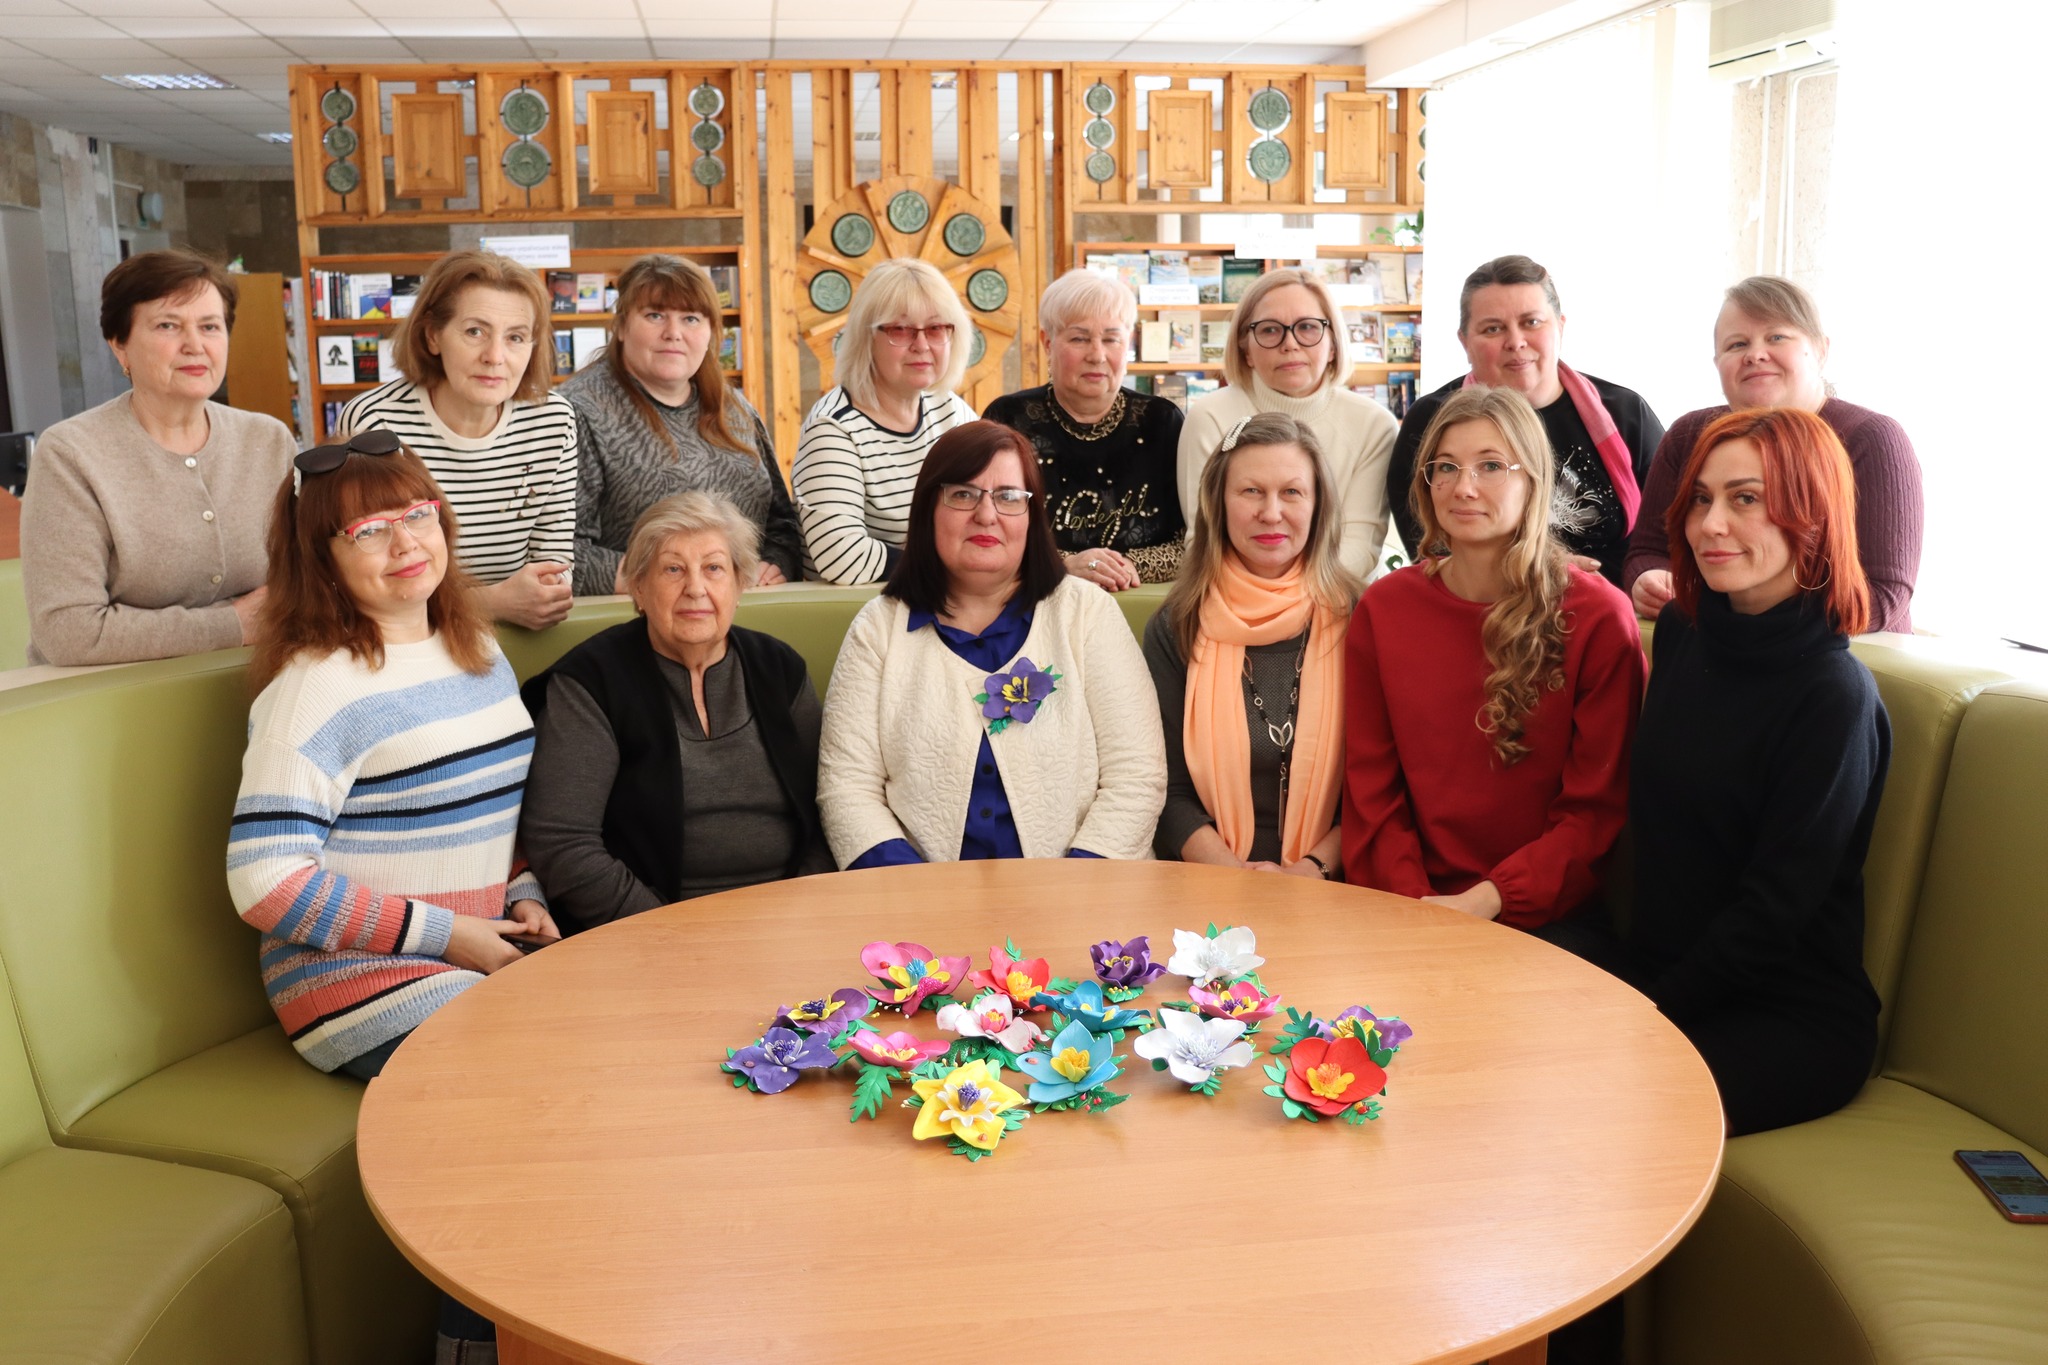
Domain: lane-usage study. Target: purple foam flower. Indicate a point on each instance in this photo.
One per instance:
(1354, 1022)
(828, 1016)
(1017, 693)
(1126, 966)
(773, 1063)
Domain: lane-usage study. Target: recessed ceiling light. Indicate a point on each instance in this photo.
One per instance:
(281, 139)
(186, 80)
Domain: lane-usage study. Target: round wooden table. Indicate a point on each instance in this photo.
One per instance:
(558, 1148)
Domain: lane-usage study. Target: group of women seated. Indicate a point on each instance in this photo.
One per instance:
(1473, 729)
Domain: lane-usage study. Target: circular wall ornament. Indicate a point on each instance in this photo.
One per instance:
(1422, 170)
(1422, 138)
(964, 234)
(337, 105)
(908, 212)
(707, 100)
(852, 234)
(342, 177)
(1422, 104)
(987, 290)
(707, 136)
(830, 291)
(976, 348)
(1269, 160)
(524, 111)
(1269, 109)
(527, 164)
(1100, 167)
(1098, 132)
(340, 140)
(1099, 99)
(707, 170)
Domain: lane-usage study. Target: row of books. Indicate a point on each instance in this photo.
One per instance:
(1178, 389)
(591, 291)
(1182, 338)
(1372, 338)
(1217, 279)
(340, 295)
(362, 358)
(1374, 278)
(1396, 395)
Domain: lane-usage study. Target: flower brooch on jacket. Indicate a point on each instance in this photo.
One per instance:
(1015, 694)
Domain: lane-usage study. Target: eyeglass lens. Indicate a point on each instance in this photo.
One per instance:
(375, 534)
(965, 497)
(1448, 472)
(1307, 332)
(902, 334)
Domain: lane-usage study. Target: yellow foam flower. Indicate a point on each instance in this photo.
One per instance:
(967, 1103)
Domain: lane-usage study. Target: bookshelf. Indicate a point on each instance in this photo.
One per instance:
(323, 332)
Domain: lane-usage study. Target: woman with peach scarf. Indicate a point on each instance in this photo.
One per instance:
(1248, 656)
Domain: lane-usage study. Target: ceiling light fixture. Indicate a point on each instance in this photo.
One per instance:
(281, 139)
(188, 80)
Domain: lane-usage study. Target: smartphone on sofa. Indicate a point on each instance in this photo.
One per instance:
(2011, 1182)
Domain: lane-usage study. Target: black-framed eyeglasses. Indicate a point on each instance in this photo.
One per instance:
(328, 458)
(1307, 332)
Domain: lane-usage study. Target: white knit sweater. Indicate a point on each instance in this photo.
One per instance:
(902, 730)
(1357, 436)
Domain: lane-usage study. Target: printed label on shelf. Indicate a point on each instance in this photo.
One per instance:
(1277, 243)
(1172, 295)
(548, 251)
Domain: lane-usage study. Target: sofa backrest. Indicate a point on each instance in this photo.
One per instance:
(1973, 1011)
(22, 1129)
(13, 616)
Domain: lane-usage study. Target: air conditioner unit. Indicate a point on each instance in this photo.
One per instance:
(1757, 37)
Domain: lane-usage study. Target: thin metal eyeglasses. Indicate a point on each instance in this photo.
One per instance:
(1485, 473)
(1307, 332)
(965, 497)
(902, 333)
(372, 535)
(328, 458)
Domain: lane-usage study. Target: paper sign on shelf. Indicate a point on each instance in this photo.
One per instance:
(1352, 296)
(1277, 244)
(548, 251)
(1171, 295)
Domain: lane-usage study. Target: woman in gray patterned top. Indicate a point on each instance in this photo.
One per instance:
(655, 418)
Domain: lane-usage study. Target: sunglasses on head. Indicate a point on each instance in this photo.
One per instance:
(328, 458)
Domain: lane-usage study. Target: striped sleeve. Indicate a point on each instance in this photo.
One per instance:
(831, 485)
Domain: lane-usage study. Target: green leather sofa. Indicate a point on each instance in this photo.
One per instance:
(13, 616)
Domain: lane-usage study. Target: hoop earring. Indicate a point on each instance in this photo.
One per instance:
(1816, 587)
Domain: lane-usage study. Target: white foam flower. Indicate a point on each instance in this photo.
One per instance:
(991, 1016)
(1202, 959)
(1194, 1048)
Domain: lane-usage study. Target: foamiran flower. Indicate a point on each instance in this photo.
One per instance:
(899, 1050)
(992, 1016)
(1125, 969)
(1330, 1077)
(967, 1102)
(1085, 1004)
(1242, 1001)
(1073, 1063)
(1021, 981)
(773, 1064)
(1203, 959)
(829, 1015)
(1015, 694)
(1359, 1022)
(1193, 1048)
(909, 973)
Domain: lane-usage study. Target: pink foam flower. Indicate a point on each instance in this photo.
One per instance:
(899, 1050)
(1018, 979)
(992, 1016)
(910, 974)
(1241, 1000)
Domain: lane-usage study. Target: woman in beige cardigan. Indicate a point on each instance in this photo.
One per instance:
(988, 704)
(143, 523)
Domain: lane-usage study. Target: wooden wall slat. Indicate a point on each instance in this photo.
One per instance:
(370, 123)
(890, 99)
(1030, 218)
(740, 109)
(781, 316)
(914, 121)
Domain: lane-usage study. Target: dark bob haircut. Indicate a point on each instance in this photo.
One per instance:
(176, 273)
(921, 581)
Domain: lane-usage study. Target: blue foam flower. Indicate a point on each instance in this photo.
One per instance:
(1085, 1005)
(1075, 1062)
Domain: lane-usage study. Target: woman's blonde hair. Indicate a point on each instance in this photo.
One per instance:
(1525, 630)
(892, 289)
(687, 514)
(434, 309)
(1238, 370)
(1080, 295)
(1330, 584)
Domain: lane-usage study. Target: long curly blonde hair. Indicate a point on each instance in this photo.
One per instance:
(1524, 634)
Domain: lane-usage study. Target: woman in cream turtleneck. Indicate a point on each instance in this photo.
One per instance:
(1289, 357)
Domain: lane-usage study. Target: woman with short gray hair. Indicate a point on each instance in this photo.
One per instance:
(675, 755)
(1106, 453)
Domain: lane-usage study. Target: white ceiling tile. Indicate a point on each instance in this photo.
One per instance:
(705, 30)
(563, 27)
(152, 26)
(10, 8)
(200, 49)
(73, 25)
(837, 9)
(817, 29)
(596, 50)
(272, 9)
(690, 50)
(596, 9)
(472, 49)
(106, 56)
(1069, 31)
(323, 26)
(942, 30)
(474, 26)
(1107, 11)
(350, 49)
(908, 48)
(443, 9)
(17, 98)
(1002, 11)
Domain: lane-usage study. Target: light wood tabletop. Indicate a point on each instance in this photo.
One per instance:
(558, 1148)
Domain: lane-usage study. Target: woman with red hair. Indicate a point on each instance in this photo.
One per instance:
(1759, 762)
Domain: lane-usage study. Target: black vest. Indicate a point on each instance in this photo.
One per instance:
(642, 817)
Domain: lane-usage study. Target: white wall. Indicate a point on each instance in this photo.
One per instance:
(27, 324)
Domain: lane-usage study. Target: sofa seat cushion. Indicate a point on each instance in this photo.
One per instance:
(111, 1258)
(251, 1107)
(1857, 1238)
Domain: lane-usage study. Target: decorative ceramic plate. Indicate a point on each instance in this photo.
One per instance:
(707, 170)
(342, 177)
(831, 291)
(524, 111)
(1269, 109)
(707, 100)
(1422, 170)
(337, 105)
(977, 348)
(852, 234)
(1269, 160)
(1099, 99)
(1100, 167)
(1422, 104)
(1422, 138)
(1098, 132)
(340, 140)
(964, 234)
(908, 212)
(707, 136)
(527, 164)
(987, 290)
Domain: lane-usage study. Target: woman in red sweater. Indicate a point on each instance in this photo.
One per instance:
(1491, 690)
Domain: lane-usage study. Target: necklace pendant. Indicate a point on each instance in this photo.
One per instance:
(1281, 735)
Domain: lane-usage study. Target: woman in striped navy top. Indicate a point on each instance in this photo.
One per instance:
(901, 354)
(477, 356)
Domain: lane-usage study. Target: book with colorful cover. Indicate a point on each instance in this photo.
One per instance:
(1134, 268)
(590, 292)
(1206, 274)
(1400, 391)
(1152, 341)
(1238, 274)
(561, 291)
(405, 291)
(1215, 341)
(364, 350)
(336, 358)
(373, 296)
(1167, 267)
(1414, 264)
(725, 283)
(729, 349)
(1202, 385)
(1183, 336)
(1404, 346)
(565, 354)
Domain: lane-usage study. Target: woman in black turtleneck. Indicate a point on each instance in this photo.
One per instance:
(1758, 766)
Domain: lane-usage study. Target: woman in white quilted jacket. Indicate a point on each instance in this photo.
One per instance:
(988, 704)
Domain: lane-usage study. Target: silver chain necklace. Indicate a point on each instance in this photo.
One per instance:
(1282, 734)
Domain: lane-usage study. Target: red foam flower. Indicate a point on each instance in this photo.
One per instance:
(1330, 1077)
(1021, 980)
